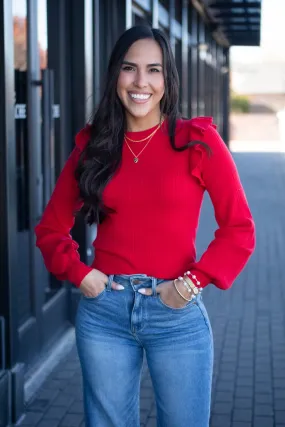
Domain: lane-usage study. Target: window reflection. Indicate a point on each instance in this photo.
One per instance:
(42, 33)
(20, 64)
(22, 162)
(20, 34)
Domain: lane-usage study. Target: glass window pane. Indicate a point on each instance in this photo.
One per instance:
(19, 8)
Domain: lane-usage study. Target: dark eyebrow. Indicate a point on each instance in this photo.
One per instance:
(156, 64)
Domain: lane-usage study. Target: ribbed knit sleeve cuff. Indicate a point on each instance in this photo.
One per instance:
(77, 272)
(201, 277)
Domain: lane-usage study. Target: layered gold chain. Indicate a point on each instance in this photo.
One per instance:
(149, 137)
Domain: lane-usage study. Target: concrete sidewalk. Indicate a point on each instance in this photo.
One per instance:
(248, 324)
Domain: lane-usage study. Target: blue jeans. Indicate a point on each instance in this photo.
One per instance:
(112, 332)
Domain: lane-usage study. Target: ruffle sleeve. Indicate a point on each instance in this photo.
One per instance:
(197, 128)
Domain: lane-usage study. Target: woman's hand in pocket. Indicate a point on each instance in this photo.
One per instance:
(169, 294)
(95, 282)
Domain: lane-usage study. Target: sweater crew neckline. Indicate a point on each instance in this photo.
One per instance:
(143, 133)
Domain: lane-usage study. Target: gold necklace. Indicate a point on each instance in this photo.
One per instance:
(147, 137)
(144, 139)
(136, 156)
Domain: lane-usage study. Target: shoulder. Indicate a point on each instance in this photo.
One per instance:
(205, 130)
(83, 137)
(198, 127)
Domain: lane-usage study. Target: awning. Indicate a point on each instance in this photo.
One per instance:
(238, 20)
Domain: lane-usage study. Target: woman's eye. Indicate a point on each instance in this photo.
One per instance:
(128, 68)
(154, 70)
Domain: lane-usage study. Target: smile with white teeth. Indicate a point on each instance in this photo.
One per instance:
(140, 96)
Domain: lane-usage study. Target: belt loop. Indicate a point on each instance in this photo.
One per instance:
(110, 281)
(153, 285)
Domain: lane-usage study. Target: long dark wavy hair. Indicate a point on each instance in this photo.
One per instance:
(103, 153)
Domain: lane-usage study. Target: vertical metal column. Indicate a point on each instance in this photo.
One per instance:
(155, 19)
(201, 67)
(97, 56)
(8, 189)
(214, 76)
(88, 54)
(194, 63)
(185, 47)
(63, 81)
(129, 19)
(9, 340)
(82, 60)
(171, 24)
(220, 87)
(226, 96)
(34, 152)
(58, 60)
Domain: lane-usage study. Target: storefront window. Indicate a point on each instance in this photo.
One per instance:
(22, 160)
(42, 33)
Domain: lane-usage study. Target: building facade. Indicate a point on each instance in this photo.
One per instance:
(53, 56)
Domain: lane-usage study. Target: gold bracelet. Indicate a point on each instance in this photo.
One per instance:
(194, 288)
(185, 284)
(189, 281)
(186, 299)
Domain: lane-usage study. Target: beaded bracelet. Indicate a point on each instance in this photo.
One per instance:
(189, 285)
(188, 273)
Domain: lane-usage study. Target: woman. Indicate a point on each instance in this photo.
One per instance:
(139, 172)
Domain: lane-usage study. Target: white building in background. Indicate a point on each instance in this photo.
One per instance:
(262, 81)
(259, 72)
(263, 77)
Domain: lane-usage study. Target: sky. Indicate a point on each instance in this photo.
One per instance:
(272, 36)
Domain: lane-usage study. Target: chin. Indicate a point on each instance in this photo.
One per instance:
(141, 115)
(138, 113)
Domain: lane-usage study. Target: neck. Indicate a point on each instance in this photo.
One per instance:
(138, 124)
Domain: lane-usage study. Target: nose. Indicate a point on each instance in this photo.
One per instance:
(140, 80)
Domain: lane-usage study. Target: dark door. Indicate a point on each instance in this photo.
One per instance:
(42, 300)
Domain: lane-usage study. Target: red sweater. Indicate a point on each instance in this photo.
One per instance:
(157, 203)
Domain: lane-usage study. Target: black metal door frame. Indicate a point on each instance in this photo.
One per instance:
(22, 342)
(9, 343)
(49, 319)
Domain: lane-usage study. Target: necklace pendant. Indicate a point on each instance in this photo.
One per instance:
(136, 159)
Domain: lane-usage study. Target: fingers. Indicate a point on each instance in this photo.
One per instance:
(145, 291)
(117, 287)
(158, 288)
(163, 285)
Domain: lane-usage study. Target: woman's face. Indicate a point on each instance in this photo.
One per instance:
(140, 84)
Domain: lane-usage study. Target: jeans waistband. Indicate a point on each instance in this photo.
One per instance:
(135, 281)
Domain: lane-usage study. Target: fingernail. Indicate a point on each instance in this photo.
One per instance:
(120, 287)
(141, 291)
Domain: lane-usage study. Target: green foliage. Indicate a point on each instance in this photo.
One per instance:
(239, 103)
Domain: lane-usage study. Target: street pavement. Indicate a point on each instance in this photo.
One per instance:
(247, 321)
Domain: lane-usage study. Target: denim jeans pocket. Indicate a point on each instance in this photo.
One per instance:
(97, 298)
(204, 313)
(186, 306)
